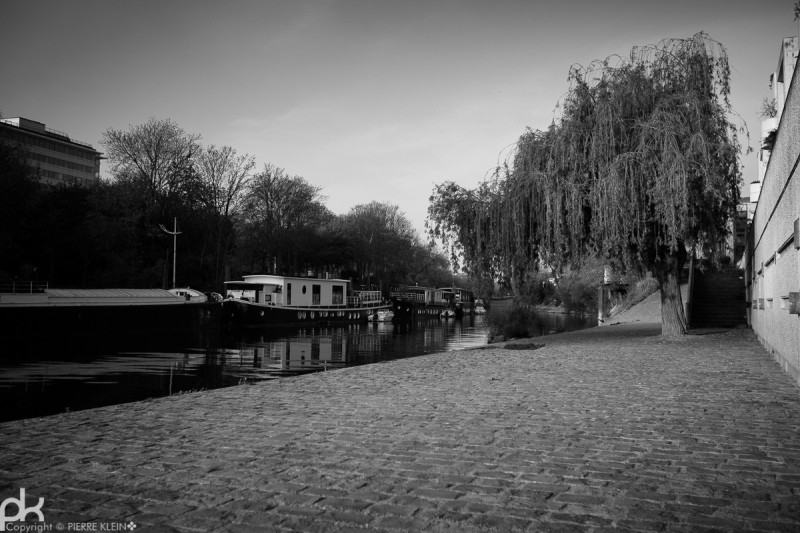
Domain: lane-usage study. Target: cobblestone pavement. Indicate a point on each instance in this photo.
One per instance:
(613, 428)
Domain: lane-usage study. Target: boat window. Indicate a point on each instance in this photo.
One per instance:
(315, 294)
(338, 295)
(288, 294)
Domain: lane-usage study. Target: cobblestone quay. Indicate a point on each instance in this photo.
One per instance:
(613, 428)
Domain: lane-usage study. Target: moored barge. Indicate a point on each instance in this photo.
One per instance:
(462, 301)
(264, 299)
(413, 302)
(37, 310)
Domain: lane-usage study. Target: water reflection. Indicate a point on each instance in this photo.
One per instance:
(47, 376)
(263, 355)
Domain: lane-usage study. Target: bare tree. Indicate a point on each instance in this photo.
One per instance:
(223, 177)
(226, 176)
(154, 153)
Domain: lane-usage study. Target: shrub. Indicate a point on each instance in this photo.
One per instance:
(510, 322)
(535, 291)
(577, 287)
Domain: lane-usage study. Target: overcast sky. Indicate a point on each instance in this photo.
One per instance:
(368, 99)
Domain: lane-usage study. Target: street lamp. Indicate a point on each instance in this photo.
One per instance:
(174, 234)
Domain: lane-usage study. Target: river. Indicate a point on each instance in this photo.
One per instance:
(40, 377)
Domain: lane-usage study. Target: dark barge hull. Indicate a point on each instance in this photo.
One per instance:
(463, 310)
(240, 313)
(413, 310)
(72, 320)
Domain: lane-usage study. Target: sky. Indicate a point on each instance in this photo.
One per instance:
(371, 100)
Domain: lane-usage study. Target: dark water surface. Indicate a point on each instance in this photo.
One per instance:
(41, 377)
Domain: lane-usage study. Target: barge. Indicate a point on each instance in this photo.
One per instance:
(263, 299)
(413, 302)
(461, 300)
(38, 311)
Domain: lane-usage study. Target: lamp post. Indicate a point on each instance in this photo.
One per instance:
(174, 234)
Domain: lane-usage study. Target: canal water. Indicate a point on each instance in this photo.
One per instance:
(40, 377)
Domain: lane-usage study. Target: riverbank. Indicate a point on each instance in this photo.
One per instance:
(600, 429)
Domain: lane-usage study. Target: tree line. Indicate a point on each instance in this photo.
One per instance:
(233, 220)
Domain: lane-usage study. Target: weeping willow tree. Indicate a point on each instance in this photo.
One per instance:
(640, 167)
(487, 230)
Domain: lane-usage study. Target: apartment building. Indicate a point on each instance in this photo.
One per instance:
(57, 157)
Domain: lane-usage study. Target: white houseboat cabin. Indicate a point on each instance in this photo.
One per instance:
(288, 291)
(269, 299)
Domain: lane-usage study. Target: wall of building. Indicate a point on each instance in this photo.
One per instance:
(58, 158)
(773, 269)
(783, 74)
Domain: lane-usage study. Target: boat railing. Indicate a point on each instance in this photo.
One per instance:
(369, 296)
(413, 296)
(365, 299)
(23, 287)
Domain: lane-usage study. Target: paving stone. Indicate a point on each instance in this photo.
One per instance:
(584, 519)
(609, 429)
(387, 509)
(581, 499)
(347, 517)
(437, 494)
(167, 509)
(774, 526)
(250, 528)
(556, 527)
(343, 504)
(396, 522)
(499, 522)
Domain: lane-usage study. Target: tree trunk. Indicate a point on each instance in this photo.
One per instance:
(673, 318)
